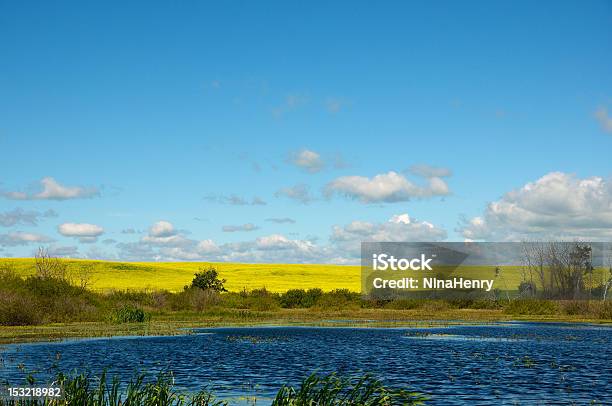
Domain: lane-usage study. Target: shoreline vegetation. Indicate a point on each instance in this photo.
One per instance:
(85, 390)
(47, 299)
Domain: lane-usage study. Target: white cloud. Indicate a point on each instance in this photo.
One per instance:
(24, 217)
(162, 229)
(299, 192)
(342, 248)
(85, 232)
(398, 228)
(20, 238)
(50, 189)
(308, 160)
(241, 227)
(388, 188)
(207, 247)
(601, 114)
(558, 205)
(164, 242)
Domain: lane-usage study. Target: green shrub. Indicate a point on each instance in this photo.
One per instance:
(405, 304)
(532, 307)
(261, 300)
(208, 279)
(19, 310)
(311, 297)
(576, 307)
(604, 310)
(339, 299)
(129, 314)
(50, 286)
(485, 304)
(292, 298)
(300, 298)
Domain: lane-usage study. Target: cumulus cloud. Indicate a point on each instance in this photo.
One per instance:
(235, 200)
(281, 220)
(385, 188)
(605, 121)
(162, 229)
(84, 232)
(558, 205)
(20, 238)
(241, 227)
(398, 228)
(50, 189)
(299, 193)
(308, 160)
(19, 216)
(164, 242)
(163, 233)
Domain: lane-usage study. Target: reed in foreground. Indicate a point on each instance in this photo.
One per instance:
(329, 390)
(334, 390)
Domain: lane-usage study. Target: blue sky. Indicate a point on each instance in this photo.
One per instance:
(159, 118)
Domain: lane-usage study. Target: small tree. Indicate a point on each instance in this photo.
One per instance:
(208, 279)
(48, 266)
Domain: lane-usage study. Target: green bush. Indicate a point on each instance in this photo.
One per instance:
(604, 310)
(576, 307)
(19, 310)
(261, 300)
(129, 314)
(208, 279)
(300, 298)
(311, 297)
(532, 307)
(339, 299)
(405, 304)
(292, 298)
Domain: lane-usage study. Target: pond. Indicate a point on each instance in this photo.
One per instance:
(509, 363)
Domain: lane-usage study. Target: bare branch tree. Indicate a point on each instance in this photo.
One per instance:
(48, 266)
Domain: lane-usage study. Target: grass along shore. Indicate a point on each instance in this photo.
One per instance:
(57, 303)
(180, 323)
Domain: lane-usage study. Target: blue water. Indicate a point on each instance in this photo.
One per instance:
(516, 363)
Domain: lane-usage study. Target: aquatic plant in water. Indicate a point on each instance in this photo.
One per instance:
(334, 390)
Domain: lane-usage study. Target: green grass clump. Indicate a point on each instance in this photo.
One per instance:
(532, 307)
(129, 314)
(330, 390)
(333, 390)
(82, 390)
